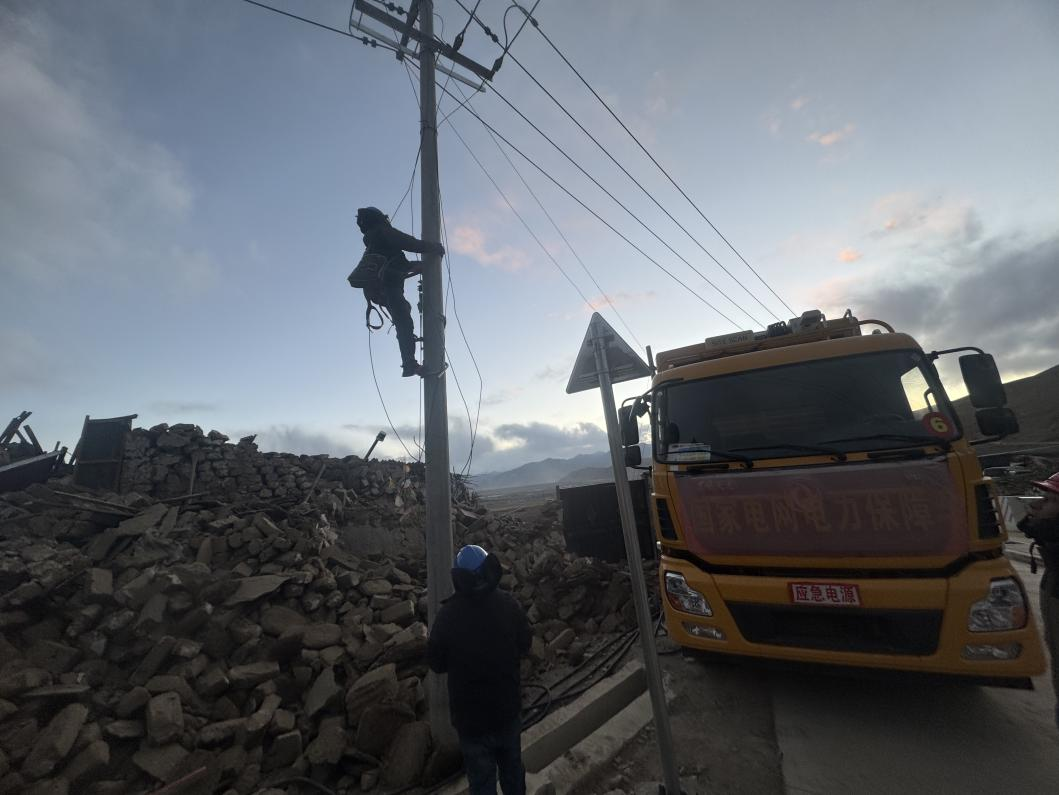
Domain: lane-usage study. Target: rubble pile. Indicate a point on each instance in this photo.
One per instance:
(227, 631)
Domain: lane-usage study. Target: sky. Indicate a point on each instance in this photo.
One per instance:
(180, 181)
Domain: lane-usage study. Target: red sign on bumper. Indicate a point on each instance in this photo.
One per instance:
(824, 593)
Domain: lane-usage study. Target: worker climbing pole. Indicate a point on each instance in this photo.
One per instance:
(381, 274)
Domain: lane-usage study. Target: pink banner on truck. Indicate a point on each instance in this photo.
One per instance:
(905, 508)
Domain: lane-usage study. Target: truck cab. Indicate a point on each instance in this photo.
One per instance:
(815, 498)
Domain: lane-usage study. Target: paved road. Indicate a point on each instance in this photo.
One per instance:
(845, 735)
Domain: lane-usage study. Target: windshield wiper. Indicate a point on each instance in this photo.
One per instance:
(807, 448)
(705, 448)
(897, 437)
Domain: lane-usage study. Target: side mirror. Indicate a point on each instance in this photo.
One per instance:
(633, 457)
(630, 429)
(997, 421)
(983, 381)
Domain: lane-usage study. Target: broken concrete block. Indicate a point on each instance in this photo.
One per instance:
(276, 619)
(407, 755)
(252, 588)
(90, 761)
(329, 744)
(55, 742)
(285, 749)
(372, 688)
(124, 729)
(379, 725)
(252, 674)
(99, 585)
(320, 636)
(161, 763)
(165, 719)
(323, 693)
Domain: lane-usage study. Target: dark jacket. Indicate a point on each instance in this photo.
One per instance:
(1046, 533)
(392, 243)
(477, 641)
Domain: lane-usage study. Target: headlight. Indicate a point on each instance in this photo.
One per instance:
(685, 598)
(1003, 608)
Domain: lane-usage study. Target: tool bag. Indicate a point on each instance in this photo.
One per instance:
(369, 271)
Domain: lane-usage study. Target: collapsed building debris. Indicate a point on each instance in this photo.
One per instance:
(24, 461)
(230, 619)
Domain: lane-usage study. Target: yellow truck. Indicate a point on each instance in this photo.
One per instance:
(815, 499)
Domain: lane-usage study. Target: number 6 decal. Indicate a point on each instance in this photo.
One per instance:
(937, 424)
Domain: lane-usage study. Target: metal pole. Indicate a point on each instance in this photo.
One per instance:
(639, 590)
(436, 430)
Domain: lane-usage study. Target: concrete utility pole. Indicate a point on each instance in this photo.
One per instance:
(435, 402)
(436, 421)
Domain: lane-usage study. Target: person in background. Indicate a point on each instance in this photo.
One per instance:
(1042, 525)
(478, 638)
(385, 287)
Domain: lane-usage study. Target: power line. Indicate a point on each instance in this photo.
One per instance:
(559, 231)
(651, 157)
(451, 290)
(621, 204)
(367, 40)
(592, 212)
(639, 185)
(522, 220)
(529, 16)
(382, 401)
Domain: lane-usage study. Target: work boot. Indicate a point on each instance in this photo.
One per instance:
(412, 368)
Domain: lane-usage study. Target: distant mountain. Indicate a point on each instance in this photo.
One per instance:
(1035, 401)
(590, 475)
(538, 473)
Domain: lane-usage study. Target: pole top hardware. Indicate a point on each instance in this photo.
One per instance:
(623, 362)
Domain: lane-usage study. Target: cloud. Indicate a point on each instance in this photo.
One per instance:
(470, 241)
(1000, 295)
(543, 440)
(910, 214)
(798, 103)
(832, 137)
(555, 372)
(849, 255)
(24, 361)
(175, 408)
(301, 441)
(623, 298)
(502, 396)
(83, 196)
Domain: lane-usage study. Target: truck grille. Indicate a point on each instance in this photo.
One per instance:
(912, 632)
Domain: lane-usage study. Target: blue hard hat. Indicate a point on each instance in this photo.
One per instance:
(471, 557)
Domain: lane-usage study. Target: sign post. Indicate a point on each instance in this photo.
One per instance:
(606, 359)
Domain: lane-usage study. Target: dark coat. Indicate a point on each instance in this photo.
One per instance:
(1046, 533)
(478, 641)
(392, 243)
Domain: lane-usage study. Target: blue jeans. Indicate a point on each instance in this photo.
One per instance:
(484, 755)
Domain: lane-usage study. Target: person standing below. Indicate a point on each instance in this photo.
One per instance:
(385, 285)
(1042, 525)
(478, 637)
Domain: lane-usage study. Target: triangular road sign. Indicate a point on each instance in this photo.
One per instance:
(622, 361)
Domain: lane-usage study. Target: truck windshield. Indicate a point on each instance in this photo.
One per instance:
(877, 401)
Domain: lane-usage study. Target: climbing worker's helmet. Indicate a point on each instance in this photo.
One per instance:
(367, 217)
(475, 571)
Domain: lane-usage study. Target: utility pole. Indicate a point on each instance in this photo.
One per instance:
(435, 401)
